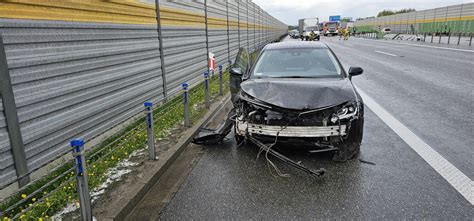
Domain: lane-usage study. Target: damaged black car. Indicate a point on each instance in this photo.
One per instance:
(296, 93)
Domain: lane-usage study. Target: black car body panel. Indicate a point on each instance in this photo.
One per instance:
(300, 93)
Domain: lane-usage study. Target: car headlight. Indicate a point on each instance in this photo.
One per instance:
(345, 112)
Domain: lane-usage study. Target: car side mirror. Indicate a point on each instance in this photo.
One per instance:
(354, 71)
(235, 71)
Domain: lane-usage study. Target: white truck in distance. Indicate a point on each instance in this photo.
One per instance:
(308, 25)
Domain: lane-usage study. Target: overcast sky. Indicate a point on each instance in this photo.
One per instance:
(289, 11)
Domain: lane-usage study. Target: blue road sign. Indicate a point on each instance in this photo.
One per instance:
(335, 18)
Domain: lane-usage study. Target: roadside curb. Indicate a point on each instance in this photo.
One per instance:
(124, 204)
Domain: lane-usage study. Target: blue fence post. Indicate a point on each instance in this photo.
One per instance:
(81, 178)
(220, 80)
(206, 89)
(187, 122)
(150, 130)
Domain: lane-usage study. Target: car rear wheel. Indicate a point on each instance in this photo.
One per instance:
(350, 148)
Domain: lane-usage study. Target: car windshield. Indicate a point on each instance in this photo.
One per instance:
(297, 63)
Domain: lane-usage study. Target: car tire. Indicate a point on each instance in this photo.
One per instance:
(350, 148)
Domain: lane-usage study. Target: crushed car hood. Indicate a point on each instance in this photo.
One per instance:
(300, 93)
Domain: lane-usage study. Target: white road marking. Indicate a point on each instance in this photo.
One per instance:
(381, 52)
(425, 46)
(463, 184)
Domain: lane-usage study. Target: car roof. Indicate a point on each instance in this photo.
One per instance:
(295, 44)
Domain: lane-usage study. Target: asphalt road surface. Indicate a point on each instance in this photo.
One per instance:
(418, 132)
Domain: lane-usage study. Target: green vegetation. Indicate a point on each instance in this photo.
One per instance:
(292, 27)
(391, 12)
(345, 20)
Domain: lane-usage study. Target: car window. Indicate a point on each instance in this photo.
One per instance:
(298, 62)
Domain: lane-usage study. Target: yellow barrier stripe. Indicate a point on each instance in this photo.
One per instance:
(109, 11)
(49, 13)
(87, 6)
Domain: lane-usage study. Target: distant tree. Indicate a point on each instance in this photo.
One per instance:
(390, 12)
(385, 13)
(358, 19)
(292, 27)
(345, 20)
(405, 10)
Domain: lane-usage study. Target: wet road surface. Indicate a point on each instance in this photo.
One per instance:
(428, 90)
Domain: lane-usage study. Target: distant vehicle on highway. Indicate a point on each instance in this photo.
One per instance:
(294, 34)
(330, 28)
(311, 33)
(308, 25)
(298, 93)
(386, 30)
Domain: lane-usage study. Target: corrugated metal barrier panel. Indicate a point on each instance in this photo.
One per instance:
(7, 168)
(217, 11)
(79, 79)
(79, 68)
(450, 19)
(184, 43)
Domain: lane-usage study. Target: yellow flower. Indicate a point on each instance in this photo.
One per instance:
(23, 196)
(48, 204)
(93, 166)
(112, 157)
(6, 218)
(40, 219)
(22, 216)
(29, 204)
(34, 199)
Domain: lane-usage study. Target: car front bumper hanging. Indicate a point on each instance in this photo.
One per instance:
(290, 131)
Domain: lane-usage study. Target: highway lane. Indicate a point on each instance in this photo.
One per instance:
(229, 182)
(430, 90)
